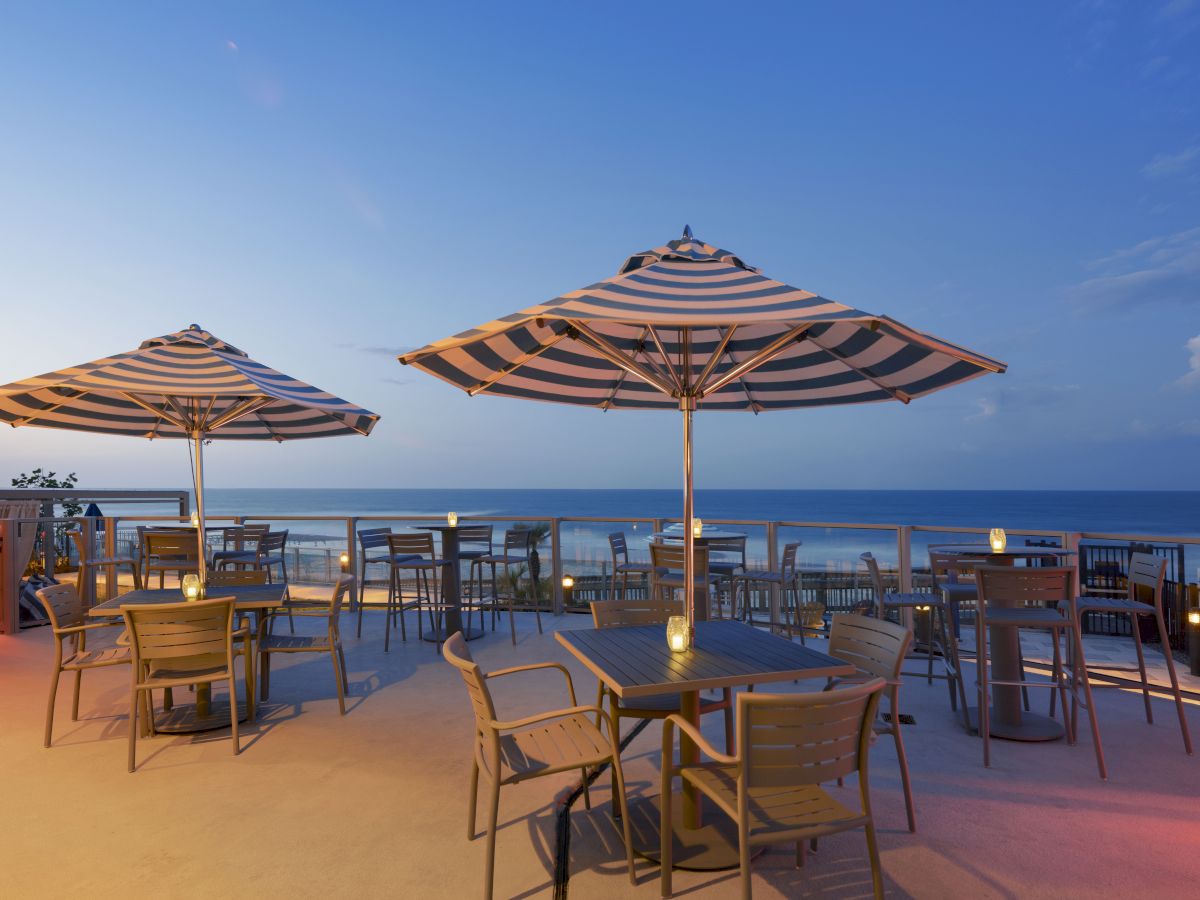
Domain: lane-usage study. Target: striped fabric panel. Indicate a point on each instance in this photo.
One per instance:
(201, 374)
(686, 286)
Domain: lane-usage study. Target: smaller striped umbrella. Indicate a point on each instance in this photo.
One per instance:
(690, 326)
(188, 385)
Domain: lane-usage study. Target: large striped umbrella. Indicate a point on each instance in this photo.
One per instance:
(689, 326)
(190, 385)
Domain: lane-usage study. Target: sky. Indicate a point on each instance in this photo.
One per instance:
(326, 185)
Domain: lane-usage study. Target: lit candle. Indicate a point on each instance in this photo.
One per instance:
(568, 582)
(191, 587)
(697, 528)
(195, 520)
(677, 633)
(344, 559)
(1194, 617)
(998, 540)
(452, 519)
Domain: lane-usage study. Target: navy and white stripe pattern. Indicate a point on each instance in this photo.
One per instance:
(187, 379)
(689, 291)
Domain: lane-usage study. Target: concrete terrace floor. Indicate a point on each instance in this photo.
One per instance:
(374, 804)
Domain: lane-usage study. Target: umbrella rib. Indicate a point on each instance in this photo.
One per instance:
(236, 412)
(275, 435)
(49, 409)
(895, 393)
(585, 335)
(715, 358)
(665, 358)
(507, 370)
(160, 414)
(763, 356)
(612, 395)
(754, 404)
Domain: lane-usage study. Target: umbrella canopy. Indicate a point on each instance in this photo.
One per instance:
(690, 326)
(190, 385)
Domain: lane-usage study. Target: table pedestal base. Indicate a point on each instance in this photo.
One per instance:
(1032, 726)
(709, 848)
(184, 719)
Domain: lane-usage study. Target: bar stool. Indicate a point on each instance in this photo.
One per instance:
(727, 567)
(1147, 573)
(474, 543)
(938, 639)
(622, 566)
(412, 552)
(89, 563)
(787, 579)
(518, 545)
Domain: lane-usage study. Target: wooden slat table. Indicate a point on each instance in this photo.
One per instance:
(205, 714)
(635, 662)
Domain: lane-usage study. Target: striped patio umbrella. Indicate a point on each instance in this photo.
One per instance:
(189, 385)
(689, 326)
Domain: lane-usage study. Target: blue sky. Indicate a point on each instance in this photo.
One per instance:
(326, 185)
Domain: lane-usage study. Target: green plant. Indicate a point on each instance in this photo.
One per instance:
(39, 479)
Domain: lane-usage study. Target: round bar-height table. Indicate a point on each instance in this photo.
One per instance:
(1007, 718)
(451, 587)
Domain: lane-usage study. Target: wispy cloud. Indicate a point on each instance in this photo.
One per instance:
(374, 349)
(1022, 399)
(987, 409)
(1159, 270)
(1173, 10)
(1192, 378)
(1165, 165)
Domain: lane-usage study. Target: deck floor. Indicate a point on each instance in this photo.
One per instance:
(374, 804)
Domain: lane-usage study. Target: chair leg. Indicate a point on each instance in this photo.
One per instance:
(743, 856)
(666, 837)
(75, 695)
(1060, 680)
(233, 710)
(337, 678)
(1081, 668)
(981, 665)
(133, 724)
(1137, 644)
(472, 798)
(727, 695)
(50, 706)
(1166, 645)
(264, 675)
(537, 603)
(512, 618)
(489, 867)
(902, 758)
(623, 806)
(873, 853)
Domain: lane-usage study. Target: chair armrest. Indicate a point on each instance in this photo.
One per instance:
(90, 626)
(542, 717)
(513, 670)
(686, 727)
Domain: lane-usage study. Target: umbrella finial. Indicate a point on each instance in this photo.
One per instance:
(194, 327)
(687, 233)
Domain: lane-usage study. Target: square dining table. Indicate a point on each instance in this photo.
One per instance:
(636, 662)
(205, 714)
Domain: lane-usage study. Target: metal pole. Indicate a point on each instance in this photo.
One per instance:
(686, 404)
(198, 437)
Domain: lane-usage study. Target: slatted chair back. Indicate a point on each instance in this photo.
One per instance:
(791, 740)
(252, 535)
(950, 568)
(181, 632)
(517, 541)
(735, 546)
(272, 543)
(373, 539)
(871, 645)
(219, 578)
(876, 577)
(787, 564)
(173, 546)
(669, 558)
(619, 613)
(63, 605)
(619, 548)
(411, 543)
(456, 652)
(82, 550)
(1024, 586)
(475, 539)
(1147, 571)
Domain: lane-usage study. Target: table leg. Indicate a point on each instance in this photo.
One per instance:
(451, 588)
(203, 699)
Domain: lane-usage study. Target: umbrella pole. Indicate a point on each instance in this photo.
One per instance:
(198, 437)
(687, 405)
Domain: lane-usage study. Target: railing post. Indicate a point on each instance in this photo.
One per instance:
(112, 578)
(48, 548)
(1071, 542)
(87, 574)
(773, 590)
(556, 565)
(10, 578)
(904, 562)
(352, 556)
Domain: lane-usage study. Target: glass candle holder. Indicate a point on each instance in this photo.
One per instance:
(998, 540)
(1194, 617)
(191, 587)
(697, 528)
(195, 520)
(677, 636)
(452, 519)
(344, 562)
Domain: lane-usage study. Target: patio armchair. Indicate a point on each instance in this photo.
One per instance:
(1147, 575)
(622, 566)
(625, 613)
(509, 752)
(181, 644)
(788, 745)
(329, 642)
(877, 648)
(65, 611)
